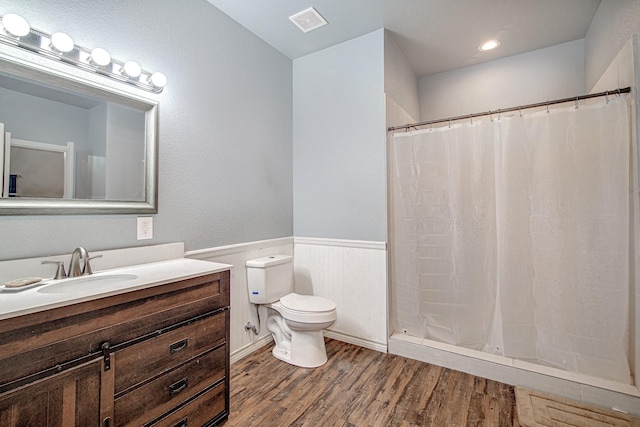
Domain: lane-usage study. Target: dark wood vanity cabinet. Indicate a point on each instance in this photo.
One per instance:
(152, 357)
(69, 398)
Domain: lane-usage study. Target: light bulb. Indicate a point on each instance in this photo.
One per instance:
(158, 79)
(101, 57)
(491, 44)
(132, 69)
(62, 42)
(16, 25)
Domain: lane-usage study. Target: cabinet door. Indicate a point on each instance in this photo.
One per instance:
(70, 398)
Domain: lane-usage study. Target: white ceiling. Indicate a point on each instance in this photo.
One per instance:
(433, 35)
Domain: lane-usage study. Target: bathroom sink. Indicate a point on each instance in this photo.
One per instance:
(93, 283)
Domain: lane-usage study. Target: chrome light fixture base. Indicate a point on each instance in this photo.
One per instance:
(78, 56)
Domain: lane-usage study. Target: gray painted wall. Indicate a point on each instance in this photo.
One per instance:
(225, 125)
(612, 26)
(58, 123)
(400, 82)
(339, 170)
(545, 74)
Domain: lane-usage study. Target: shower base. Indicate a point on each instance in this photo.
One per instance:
(571, 385)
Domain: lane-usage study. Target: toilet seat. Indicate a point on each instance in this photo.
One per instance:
(307, 303)
(307, 308)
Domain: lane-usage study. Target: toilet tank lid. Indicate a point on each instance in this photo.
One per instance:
(268, 261)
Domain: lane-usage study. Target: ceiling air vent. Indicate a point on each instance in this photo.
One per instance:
(308, 20)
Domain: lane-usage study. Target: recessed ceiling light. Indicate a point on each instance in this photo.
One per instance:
(308, 19)
(490, 45)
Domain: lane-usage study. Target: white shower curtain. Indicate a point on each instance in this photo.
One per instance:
(512, 236)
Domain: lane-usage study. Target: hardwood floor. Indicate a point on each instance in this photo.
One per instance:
(362, 387)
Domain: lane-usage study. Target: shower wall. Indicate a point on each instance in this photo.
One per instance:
(622, 72)
(615, 22)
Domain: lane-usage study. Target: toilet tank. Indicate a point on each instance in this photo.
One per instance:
(269, 278)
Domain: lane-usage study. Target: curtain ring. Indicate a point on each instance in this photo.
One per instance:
(547, 107)
(520, 110)
(576, 107)
(449, 124)
(499, 112)
(606, 96)
(490, 117)
(618, 92)
(430, 126)
(471, 118)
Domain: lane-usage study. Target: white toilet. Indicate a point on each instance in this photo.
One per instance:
(295, 321)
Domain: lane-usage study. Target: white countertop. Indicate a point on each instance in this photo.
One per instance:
(32, 300)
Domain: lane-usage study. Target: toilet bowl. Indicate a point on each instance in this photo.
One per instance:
(295, 321)
(299, 339)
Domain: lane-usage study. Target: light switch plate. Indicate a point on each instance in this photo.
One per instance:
(145, 227)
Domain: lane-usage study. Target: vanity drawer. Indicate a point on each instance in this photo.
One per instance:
(151, 400)
(156, 355)
(197, 412)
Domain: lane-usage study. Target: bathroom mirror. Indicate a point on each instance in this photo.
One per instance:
(70, 145)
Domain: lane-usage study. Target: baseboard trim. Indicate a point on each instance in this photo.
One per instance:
(361, 244)
(372, 345)
(250, 348)
(208, 253)
(261, 342)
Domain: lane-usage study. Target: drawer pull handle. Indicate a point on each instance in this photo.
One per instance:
(177, 387)
(178, 346)
(181, 423)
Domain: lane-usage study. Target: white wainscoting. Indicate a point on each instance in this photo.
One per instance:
(353, 274)
(244, 342)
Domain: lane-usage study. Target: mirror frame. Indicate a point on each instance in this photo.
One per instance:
(44, 70)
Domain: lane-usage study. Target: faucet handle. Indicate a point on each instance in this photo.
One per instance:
(60, 273)
(87, 266)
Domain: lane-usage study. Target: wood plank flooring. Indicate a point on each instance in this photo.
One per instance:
(362, 387)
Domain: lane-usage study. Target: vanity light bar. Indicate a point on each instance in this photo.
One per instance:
(15, 31)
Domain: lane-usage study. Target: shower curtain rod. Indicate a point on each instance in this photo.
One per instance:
(521, 107)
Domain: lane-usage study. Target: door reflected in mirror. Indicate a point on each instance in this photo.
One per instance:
(35, 172)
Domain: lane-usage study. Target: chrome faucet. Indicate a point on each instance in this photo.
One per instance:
(78, 254)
